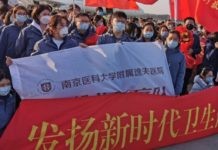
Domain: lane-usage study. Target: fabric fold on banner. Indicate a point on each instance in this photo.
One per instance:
(121, 4)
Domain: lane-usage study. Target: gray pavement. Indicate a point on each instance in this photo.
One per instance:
(208, 143)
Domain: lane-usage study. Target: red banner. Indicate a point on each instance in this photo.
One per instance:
(120, 121)
(204, 11)
(207, 14)
(186, 8)
(147, 2)
(121, 4)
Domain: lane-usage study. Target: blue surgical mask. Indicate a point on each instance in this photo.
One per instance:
(164, 34)
(172, 44)
(119, 27)
(63, 32)
(83, 26)
(21, 18)
(209, 80)
(4, 91)
(148, 35)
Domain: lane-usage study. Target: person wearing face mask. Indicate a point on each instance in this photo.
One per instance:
(84, 32)
(211, 52)
(3, 12)
(148, 33)
(203, 81)
(163, 33)
(100, 11)
(132, 31)
(100, 25)
(176, 61)
(57, 37)
(189, 23)
(7, 20)
(170, 25)
(7, 101)
(10, 34)
(118, 22)
(34, 32)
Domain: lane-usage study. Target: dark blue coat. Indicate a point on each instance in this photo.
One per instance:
(141, 39)
(1, 28)
(26, 41)
(177, 66)
(196, 45)
(47, 45)
(80, 38)
(7, 109)
(8, 40)
(110, 38)
(211, 56)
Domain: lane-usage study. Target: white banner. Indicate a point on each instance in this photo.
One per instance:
(96, 70)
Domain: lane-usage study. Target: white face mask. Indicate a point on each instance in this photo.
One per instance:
(21, 18)
(172, 44)
(4, 91)
(63, 32)
(83, 26)
(119, 27)
(45, 19)
(148, 34)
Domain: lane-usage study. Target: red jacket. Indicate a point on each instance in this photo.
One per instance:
(91, 40)
(101, 30)
(187, 41)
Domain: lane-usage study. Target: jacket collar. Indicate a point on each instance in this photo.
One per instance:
(172, 51)
(37, 26)
(50, 42)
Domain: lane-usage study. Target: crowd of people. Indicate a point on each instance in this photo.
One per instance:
(191, 51)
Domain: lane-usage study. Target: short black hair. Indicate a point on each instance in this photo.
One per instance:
(175, 32)
(119, 14)
(3, 75)
(189, 18)
(19, 7)
(135, 19)
(99, 9)
(97, 18)
(38, 9)
(82, 15)
(178, 34)
(205, 71)
(163, 26)
(154, 28)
